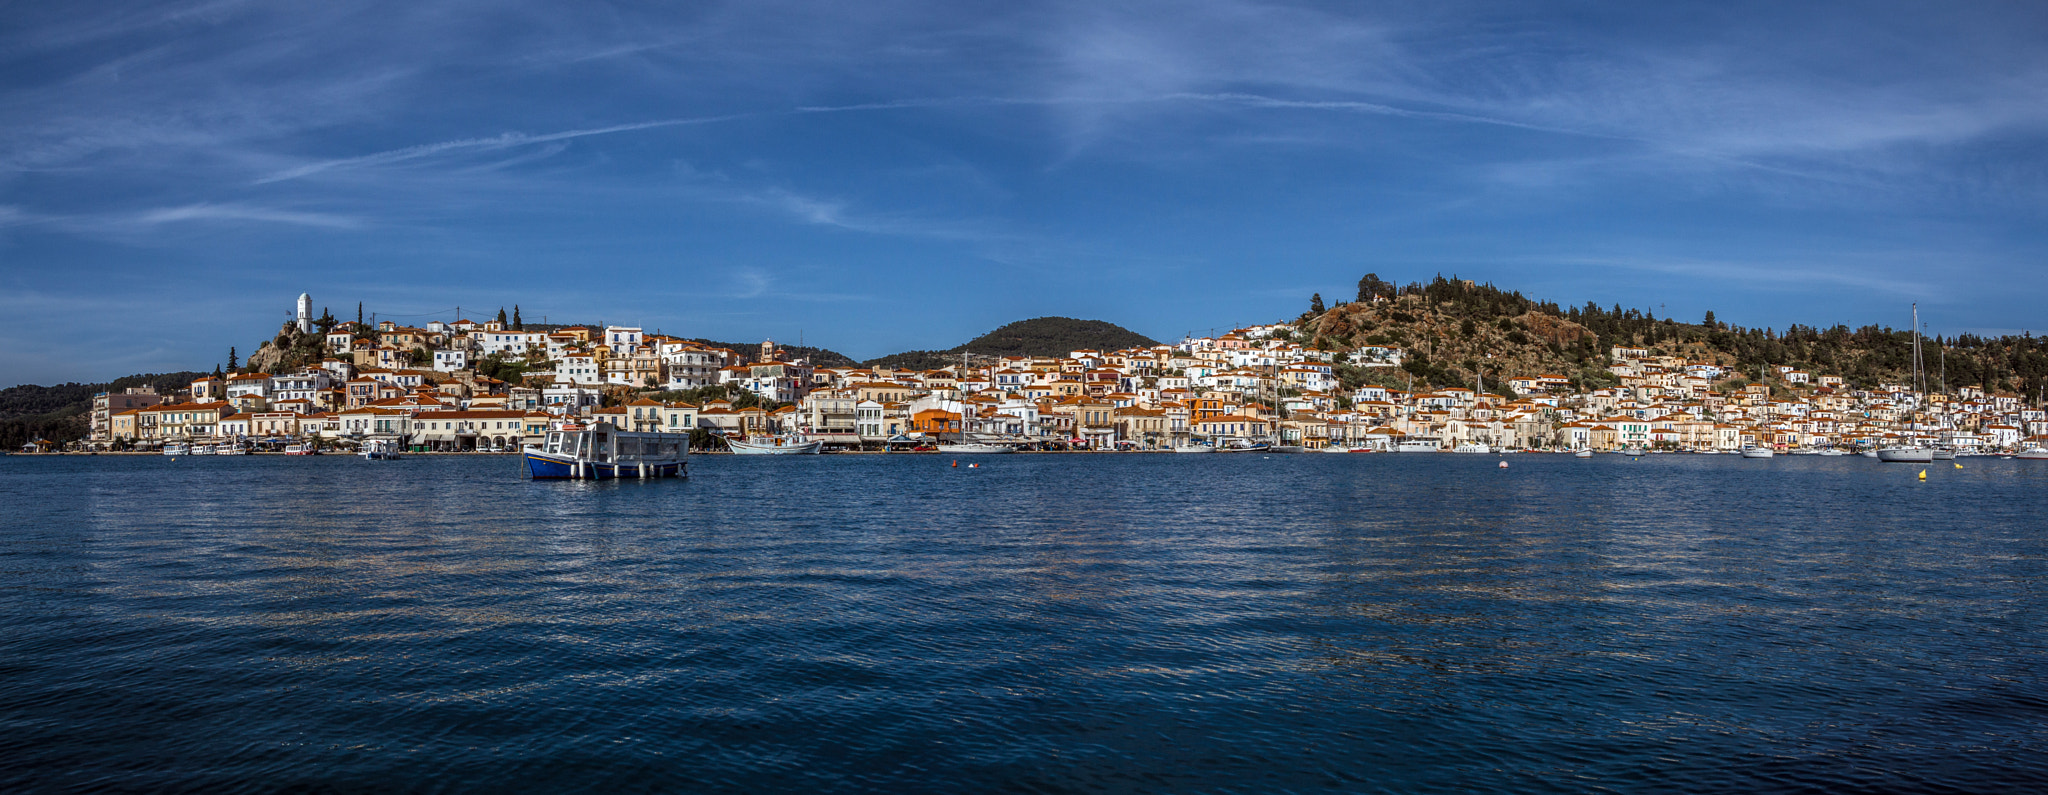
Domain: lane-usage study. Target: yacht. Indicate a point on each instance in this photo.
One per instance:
(1194, 448)
(1418, 444)
(380, 450)
(177, 448)
(976, 448)
(603, 452)
(1582, 454)
(2032, 454)
(1906, 455)
(300, 449)
(1757, 452)
(1472, 447)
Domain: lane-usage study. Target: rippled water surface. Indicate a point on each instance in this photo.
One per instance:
(1046, 623)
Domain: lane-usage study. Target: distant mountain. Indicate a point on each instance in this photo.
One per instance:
(1040, 336)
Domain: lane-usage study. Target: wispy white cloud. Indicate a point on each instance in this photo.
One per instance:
(237, 212)
(500, 141)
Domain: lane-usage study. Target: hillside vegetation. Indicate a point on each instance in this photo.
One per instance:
(58, 413)
(1450, 328)
(1041, 336)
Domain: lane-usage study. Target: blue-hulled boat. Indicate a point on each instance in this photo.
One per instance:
(603, 452)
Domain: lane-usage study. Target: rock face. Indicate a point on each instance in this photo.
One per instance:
(288, 351)
(1447, 341)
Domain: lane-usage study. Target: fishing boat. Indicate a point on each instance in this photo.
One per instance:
(379, 450)
(603, 452)
(300, 449)
(1757, 452)
(177, 448)
(976, 448)
(786, 444)
(1242, 446)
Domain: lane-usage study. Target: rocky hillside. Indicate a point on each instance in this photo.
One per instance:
(1451, 327)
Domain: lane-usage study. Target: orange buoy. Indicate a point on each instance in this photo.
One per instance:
(956, 463)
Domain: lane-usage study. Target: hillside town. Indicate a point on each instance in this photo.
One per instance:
(426, 388)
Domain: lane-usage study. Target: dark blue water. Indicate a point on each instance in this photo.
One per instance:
(1044, 624)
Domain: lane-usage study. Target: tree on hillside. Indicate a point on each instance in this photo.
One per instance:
(233, 360)
(517, 324)
(359, 313)
(1373, 285)
(501, 317)
(1315, 304)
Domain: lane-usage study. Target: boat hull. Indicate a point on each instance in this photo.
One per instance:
(543, 466)
(1906, 455)
(1758, 453)
(1195, 448)
(976, 449)
(2032, 454)
(756, 448)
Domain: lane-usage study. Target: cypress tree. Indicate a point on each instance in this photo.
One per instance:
(233, 360)
(517, 324)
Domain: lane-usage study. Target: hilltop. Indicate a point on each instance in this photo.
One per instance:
(1039, 336)
(1452, 328)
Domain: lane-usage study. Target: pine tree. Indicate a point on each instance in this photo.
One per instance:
(1315, 304)
(1709, 321)
(517, 324)
(233, 360)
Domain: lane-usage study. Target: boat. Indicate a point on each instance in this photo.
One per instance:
(1582, 454)
(379, 450)
(1870, 453)
(231, 449)
(202, 449)
(1944, 454)
(1906, 455)
(2032, 454)
(787, 444)
(1757, 452)
(976, 448)
(1634, 449)
(1286, 448)
(1419, 444)
(300, 449)
(177, 448)
(1244, 447)
(1472, 447)
(1834, 451)
(603, 452)
(1194, 448)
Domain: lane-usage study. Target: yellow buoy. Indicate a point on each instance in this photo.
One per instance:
(1959, 466)
(1923, 474)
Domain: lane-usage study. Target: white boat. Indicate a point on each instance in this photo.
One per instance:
(775, 445)
(300, 449)
(603, 452)
(1944, 454)
(976, 448)
(1634, 449)
(1194, 448)
(1834, 451)
(1757, 452)
(380, 450)
(231, 449)
(2032, 454)
(1287, 448)
(177, 448)
(1906, 455)
(1472, 447)
(202, 449)
(1871, 453)
(1419, 444)
(1583, 454)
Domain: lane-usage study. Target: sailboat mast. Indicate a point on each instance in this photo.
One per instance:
(1919, 377)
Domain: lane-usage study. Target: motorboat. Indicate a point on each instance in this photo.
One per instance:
(231, 449)
(1758, 452)
(1944, 454)
(1906, 455)
(380, 450)
(976, 448)
(2032, 454)
(202, 449)
(177, 448)
(1634, 449)
(1194, 448)
(1419, 444)
(787, 444)
(1582, 454)
(1834, 452)
(300, 449)
(1472, 447)
(603, 452)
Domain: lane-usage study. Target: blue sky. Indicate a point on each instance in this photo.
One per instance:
(878, 176)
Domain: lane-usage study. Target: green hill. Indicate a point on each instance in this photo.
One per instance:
(1039, 336)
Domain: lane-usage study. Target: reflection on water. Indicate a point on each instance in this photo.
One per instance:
(1397, 623)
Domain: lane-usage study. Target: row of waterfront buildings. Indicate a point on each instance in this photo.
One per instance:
(421, 386)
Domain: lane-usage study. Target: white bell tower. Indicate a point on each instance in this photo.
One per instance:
(305, 313)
